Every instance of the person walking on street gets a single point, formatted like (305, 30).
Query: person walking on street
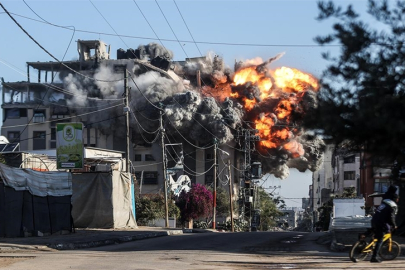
(383, 219)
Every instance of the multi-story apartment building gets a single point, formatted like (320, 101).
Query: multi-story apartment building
(32, 108)
(291, 218)
(322, 183)
(367, 174)
(346, 171)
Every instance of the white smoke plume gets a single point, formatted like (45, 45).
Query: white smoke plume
(78, 91)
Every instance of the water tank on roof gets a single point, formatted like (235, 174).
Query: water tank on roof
(131, 54)
(140, 53)
(121, 54)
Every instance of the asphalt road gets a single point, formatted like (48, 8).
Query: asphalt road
(255, 250)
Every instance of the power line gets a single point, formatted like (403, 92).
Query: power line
(153, 30)
(171, 28)
(83, 74)
(64, 55)
(61, 105)
(87, 124)
(51, 55)
(70, 117)
(189, 41)
(108, 23)
(187, 27)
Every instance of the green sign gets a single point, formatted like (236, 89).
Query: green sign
(69, 145)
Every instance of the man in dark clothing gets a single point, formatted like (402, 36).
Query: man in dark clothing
(384, 220)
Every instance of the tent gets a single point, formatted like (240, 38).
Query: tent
(102, 200)
(34, 203)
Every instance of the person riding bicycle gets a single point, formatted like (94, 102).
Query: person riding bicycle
(383, 219)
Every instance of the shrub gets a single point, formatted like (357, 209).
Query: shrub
(195, 204)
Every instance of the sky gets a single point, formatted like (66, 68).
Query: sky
(235, 30)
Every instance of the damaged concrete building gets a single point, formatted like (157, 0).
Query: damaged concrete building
(90, 90)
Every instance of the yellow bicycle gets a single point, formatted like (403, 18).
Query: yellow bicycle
(361, 249)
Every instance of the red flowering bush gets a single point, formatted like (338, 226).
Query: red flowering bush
(196, 203)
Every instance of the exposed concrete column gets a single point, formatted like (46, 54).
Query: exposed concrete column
(28, 73)
(199, 168)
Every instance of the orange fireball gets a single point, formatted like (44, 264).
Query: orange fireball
(293, 80)
(275, 93)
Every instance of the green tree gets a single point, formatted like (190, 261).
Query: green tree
(362, 95)
(269, 212)
(223, 207)
(361, 102)
(150, 207)
(280, 203)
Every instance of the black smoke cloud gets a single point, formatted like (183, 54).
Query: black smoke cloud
(197, 114)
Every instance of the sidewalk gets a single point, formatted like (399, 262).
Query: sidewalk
(86, 238)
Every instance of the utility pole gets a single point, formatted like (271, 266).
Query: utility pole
(230, 195)
(162, 133)
(126, 91)
(248, 137)
(215, 185)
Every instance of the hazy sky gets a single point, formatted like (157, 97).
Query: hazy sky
(235, 30)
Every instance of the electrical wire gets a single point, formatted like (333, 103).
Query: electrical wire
(52, 86)
(72, 107)
(87, 124)
(149, 132)
(181, 135)
(184, 165)
(191, 41)
(155, 78)
(188, 29)
(171, 28)
(51, 55)
(137, 166)
(70, 117)
(143, 137)
(153, 30)
(199, 174)
(64, 55)
(108, 23)
(83, 74)
(144, 95)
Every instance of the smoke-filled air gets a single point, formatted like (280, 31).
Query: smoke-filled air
(211, 100)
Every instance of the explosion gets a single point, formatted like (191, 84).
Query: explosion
(252, 95)
(282, 86)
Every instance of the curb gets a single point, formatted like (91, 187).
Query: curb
(107, 240)
(111, 241)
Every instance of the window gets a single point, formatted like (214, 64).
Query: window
(149, 157)
(53, 134)
(138, 157)
(381, 185)
(15, 113)
(208, 157)
(39, 116)
(149, 177)
(39, 140)
(349, 175)
(349, 159)
(13, 136)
